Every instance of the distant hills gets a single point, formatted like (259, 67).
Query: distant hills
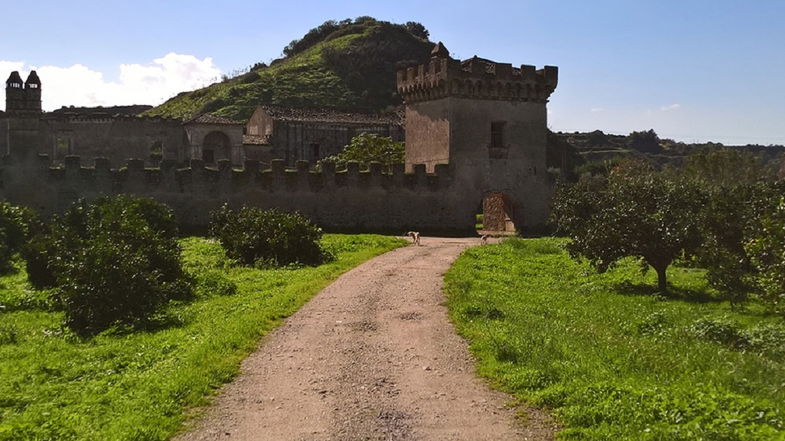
(348, 65)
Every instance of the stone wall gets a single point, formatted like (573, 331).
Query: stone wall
(338, 201)
(116, 138)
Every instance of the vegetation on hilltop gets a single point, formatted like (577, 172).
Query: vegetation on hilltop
(593, 149)
(347, 65)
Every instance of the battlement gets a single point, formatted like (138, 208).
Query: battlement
(346, 200)
(133, 177)
(475, 78)
(106, 117)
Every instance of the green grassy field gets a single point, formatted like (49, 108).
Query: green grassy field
(611, 359)
(123, 385)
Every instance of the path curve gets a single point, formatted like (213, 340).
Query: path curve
(371, 357)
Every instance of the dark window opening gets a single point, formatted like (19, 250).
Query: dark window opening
(62, 147)
(208, 156)
(497, 134)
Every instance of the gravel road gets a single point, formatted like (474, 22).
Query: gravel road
(372, 357)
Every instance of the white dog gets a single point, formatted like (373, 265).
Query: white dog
(484, 239)
(415, 235)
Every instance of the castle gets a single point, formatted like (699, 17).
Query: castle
(475, 142)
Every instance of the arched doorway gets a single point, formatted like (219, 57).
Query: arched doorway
(215, 146)
(498, 213)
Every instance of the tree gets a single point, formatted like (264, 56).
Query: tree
(646, 141)
(366, 148)
(726, 167)
(767, 254)
(638, 213)
(417, 29)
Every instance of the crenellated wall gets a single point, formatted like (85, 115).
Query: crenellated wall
(350, 200)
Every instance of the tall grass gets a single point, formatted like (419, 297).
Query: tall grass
(612, 359)
(123, 385)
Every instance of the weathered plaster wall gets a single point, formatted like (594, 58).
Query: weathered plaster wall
(294, 140)
(428, 133)
(117, 139)
(196, 134)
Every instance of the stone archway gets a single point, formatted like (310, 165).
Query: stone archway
(216, 146)
(498, 213)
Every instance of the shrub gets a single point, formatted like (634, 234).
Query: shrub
(257, 237)
(17, 224)
(37, 254)
(114, 261)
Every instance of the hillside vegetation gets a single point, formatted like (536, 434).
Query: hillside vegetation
(348, 65)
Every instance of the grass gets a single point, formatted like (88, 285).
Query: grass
(611, 359)
(123, 385)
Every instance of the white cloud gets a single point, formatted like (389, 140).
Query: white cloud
(670, 107)
(151, 83)
(596, 109)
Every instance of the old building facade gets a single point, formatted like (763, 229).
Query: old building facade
(311, 134)
(488, 121)
(475, 142)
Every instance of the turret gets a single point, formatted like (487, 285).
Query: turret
(14, 93)
(33, 92)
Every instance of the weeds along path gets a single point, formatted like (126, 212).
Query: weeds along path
(371, 357)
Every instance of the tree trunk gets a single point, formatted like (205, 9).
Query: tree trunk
(662, 279)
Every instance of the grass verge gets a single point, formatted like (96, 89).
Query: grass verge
(610, 358)
(123, 385)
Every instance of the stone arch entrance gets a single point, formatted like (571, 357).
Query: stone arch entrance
(215, 146)
(498, 213)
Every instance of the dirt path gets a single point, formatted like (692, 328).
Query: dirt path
(372, 357)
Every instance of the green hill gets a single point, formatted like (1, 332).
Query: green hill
(348, 65)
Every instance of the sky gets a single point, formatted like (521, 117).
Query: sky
(692, 70)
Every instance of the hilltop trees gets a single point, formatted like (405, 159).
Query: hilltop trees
(645, 141)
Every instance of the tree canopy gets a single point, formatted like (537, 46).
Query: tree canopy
(366, 148)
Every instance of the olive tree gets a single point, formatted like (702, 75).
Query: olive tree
(636, 212)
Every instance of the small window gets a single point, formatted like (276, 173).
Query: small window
(157, 149)
(497, 134)
(315, 153)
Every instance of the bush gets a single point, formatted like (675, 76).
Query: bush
(114, 261)
(257, 237)
(17, 224)
(37, 254)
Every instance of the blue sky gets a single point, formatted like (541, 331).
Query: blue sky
(691, 70)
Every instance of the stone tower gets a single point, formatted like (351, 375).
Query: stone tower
(23, 109)
(488, 122)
